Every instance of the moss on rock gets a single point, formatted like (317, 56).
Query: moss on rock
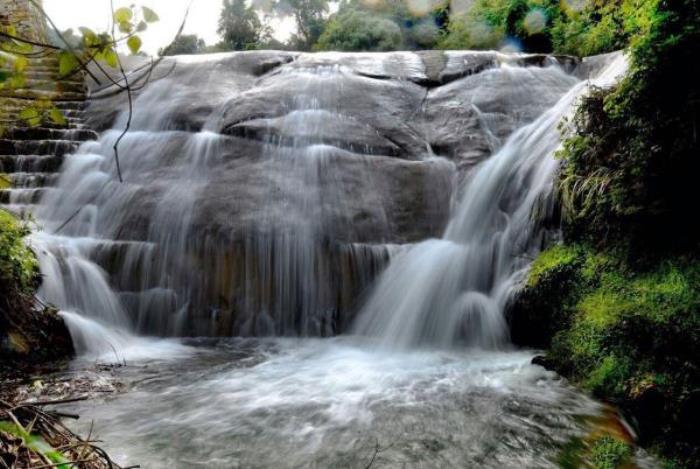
(630, 337)
(27, 332)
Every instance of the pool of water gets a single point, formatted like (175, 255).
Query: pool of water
(279, 403)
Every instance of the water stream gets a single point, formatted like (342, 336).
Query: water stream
(269, 202)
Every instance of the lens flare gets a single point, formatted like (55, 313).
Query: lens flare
(460, 7)
(425, 32)
(421, 7)
(574, 6)
(511, 45)
(536, 21)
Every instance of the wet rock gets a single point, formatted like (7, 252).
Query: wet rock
(544, 362)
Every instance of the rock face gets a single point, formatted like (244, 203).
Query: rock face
(263, 190)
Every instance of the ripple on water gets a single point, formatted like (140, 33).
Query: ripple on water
(337, 402)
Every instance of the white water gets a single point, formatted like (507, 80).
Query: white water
(337, 402)
(454, 290)
(292, 403)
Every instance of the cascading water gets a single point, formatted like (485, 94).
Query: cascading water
(270, 209)
(264, 194)
(455, 289)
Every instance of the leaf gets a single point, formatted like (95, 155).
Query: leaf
(123, 15)
(4, 75)
(28, 113)
(67, 63)
(126, 27)
(149, 15)
(89, 36)
(20, 64)
(110, 57)
(141, 27)
(31, 116)
(57, 116)
(5, 181)
(134, 43)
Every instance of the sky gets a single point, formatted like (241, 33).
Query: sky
(202, 19)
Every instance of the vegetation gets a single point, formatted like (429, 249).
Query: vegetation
(582, 27)
(310, 19)
(186, 44)
(18, 267)
(628, 336)
(240, 27)
(567, 27)
(356, 29)
(609, 453)
(620, 299)
(630, 161)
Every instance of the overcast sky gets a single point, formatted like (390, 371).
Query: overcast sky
(202, 19)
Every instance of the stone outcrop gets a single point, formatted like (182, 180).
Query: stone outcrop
(264, 190)
(25, 18)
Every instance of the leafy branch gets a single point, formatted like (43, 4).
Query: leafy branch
(95, 54)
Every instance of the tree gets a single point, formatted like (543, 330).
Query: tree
(240, 26)
(356, 29)
(310, 19)
(185, 44)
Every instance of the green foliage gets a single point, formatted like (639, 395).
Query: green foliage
(609, 453)
(36, 443)
(592, 27)
(186, 44)
(18, 265)
(383, 26)
(310, 19)
(240, 27)
(356, 29)
(490, 23)
(631, 157)
(553, 262)
(75, 51)
(629, 335)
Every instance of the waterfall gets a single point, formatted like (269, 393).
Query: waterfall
(454, 289)
(265, 192)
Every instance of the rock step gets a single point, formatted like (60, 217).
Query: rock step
(11, 102)
(15, 111)
(21, 211)
(22, 196)
(28, 93)
(33, 180)
(72, 123)
(48, 84)
(37, 147)
(30, 163)
(45, 133)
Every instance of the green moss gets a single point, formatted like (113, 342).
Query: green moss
(610, 378)
(18, 265)
(558, 258)
(609, 453)
(630, 336)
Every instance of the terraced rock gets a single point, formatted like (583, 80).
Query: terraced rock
(31, 157)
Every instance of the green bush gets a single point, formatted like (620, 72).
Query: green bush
(549, 25)
(355, 29)
(631, 159)
(609, 453)
(630, 336)
(18, 265)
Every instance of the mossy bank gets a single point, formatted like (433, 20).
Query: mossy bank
(29, 332)
(629, 336)
(616, 305)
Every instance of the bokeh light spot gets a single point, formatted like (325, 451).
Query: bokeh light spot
(422, 7)
(536, 21)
